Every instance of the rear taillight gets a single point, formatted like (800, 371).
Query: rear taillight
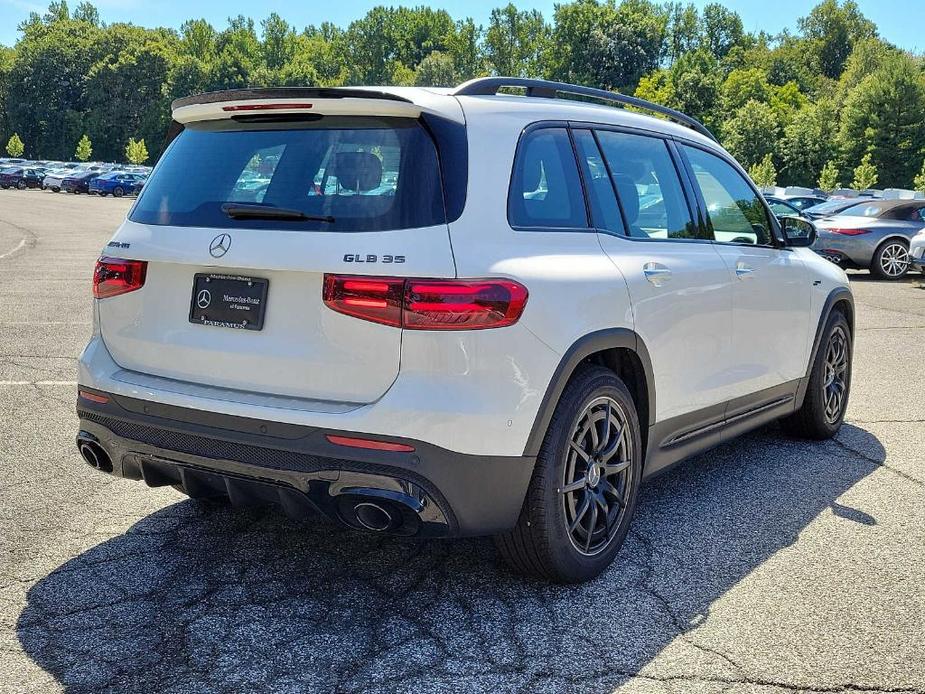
(427, 304)
(849, 232)
(114, 276)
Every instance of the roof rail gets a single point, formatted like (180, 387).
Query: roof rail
(489, 86)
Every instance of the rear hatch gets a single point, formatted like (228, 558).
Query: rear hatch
(253, 203)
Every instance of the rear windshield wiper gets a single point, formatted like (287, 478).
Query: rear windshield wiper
(244, 211)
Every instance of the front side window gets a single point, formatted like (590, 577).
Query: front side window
(348, 173)
(545, 188)
(648, 186)
(734, 210)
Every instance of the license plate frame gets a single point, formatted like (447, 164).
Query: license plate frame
(228, 301)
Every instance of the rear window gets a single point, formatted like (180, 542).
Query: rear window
(358, 173)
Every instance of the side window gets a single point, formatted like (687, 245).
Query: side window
(604, 210)
(648, 186)
(545, 188)
(734, 209)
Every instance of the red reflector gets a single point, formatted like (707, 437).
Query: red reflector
(265, 107)
(369, 443)
(113, 276)
(850, 232)
(427, 304)
(93, 397)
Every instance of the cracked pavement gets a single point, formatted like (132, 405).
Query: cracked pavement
(766, 565)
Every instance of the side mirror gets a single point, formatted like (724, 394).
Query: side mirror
(798, 232)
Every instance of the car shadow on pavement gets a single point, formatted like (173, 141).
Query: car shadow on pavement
(203, 598)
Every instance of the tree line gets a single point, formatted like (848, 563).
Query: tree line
(805, 108)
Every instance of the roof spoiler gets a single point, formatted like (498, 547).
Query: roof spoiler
(320, 100)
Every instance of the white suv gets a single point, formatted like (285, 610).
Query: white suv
(444, 313)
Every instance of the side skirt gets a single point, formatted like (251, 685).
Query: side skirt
(678, 438)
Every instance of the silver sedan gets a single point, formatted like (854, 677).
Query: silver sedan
(873, 234)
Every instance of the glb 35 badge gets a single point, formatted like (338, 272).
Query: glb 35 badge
(370, 258)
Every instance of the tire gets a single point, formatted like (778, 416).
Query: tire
(891, 260)
(21, 185)
(102, 194)
(55, 189)
(551, 539)
(817, 419)
(118, 192)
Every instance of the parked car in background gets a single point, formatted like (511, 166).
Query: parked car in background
(829, 208)
(115, 183)
(53, 178)
(22, 178)
(873, 234)
(801, 202)
(783, 208)
(138, 185)
(917, 251)
(78, 182)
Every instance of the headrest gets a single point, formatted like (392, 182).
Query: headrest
(356, 171)
(629, 196)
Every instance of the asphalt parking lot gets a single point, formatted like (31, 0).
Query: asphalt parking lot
(766, 565)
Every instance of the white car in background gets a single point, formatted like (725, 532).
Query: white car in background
(917, 251)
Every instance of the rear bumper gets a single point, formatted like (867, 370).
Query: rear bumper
(431, 492)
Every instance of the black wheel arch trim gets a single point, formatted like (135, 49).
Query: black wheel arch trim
(836, 296)
(581, 349)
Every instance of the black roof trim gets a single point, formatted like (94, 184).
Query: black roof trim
(489, 86)
(284, 93)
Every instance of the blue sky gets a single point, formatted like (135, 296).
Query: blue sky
(899, 21)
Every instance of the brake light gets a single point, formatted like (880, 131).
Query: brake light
(850, 232)
(266, 107)
(113, 276)
(427, 304)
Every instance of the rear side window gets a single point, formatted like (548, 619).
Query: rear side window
(545, 188)
(735, 211)
(648, 186)
(357, 173)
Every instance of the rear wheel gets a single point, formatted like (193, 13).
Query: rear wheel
(891, 260)
(823, 410)
(21, 185)
(583, 493)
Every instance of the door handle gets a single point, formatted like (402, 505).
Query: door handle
(656, 273)
(744, 270)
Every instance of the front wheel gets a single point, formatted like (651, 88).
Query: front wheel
(21, 185)
(118, 192)
(823, 409)
(891, 260)
(583, 493)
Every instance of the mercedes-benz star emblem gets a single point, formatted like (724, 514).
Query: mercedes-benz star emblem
(220, 245)
(203, 298)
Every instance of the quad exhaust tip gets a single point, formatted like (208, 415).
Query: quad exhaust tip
(372, 516)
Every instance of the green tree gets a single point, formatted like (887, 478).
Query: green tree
(885, 117)
(834, 29)
(722, 29)
(15, 146)
(682, 30)
(763, 173)
(691, 85)
(752, 133)
(808, 142)
(919, 182)
(515, 41)
(136, 151)
(436, 70)
(865, 174)
(828, 177)
(84, 149)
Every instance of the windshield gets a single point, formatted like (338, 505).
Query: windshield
(341, 173)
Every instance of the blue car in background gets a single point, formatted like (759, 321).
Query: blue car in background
(116, 183)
